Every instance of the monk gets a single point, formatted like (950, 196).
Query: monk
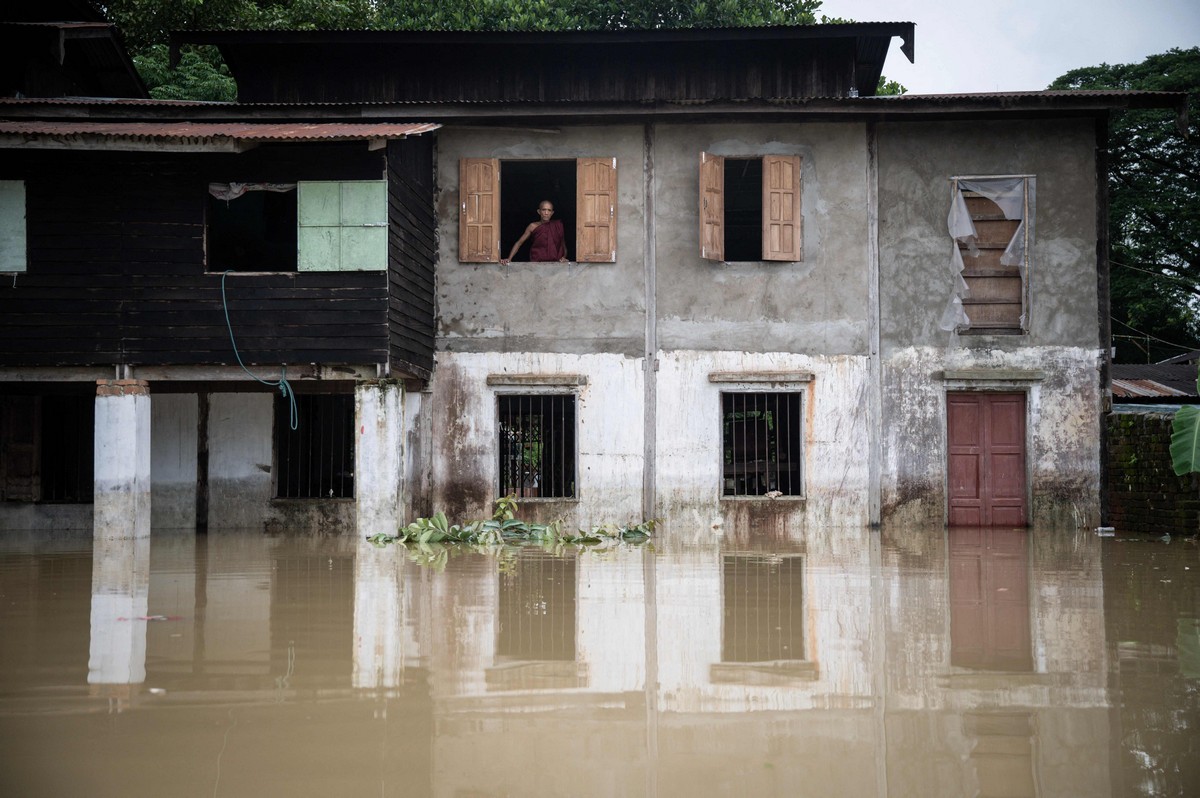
(548, 238)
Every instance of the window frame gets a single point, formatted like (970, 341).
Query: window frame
(1025, 228)
(307, 417)
(480, 181)
(795, 384)
(14, 221)
(536, 387)
(331, 227)
(782, 206)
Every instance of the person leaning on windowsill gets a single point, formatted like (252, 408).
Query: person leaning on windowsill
(549, 242)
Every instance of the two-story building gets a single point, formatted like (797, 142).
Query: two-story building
(784, 301)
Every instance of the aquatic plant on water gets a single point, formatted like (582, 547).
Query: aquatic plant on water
(504, 528)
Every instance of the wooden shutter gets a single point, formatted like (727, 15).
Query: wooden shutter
(596, 201)
(342, 226)
(12, 226)
(712, 206)
(479, 210)
(781, 207)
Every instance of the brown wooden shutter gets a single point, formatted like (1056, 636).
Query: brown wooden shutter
(712, 206)
(782, 238)
(596, 201)
(479, 210)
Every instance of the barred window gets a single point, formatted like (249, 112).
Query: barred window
(537, 445)
(761, 438)
(315, 460)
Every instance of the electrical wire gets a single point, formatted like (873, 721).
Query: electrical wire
(285, 387)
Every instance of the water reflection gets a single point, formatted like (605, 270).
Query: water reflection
(919, 662)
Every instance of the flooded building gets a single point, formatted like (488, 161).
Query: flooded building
(781, 302)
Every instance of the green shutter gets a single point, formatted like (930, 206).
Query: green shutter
(342, 226)
(12, 226)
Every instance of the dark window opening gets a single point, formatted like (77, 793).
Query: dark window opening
(763, 606)
(315, 460)
(255, 232)
(743, 209)
(537, 609)
(524, 184)
(761, 444)
(46, 448)
(68, 443)
(537, 445)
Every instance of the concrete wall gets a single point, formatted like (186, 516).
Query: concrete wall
(915, 162)
(173, 460)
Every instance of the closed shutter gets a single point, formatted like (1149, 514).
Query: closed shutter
(342, 226)
(596, 201)
(712, 206)
(479, 210)
(12, 226)
(781, 208)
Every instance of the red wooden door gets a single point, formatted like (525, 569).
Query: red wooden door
(986, 437)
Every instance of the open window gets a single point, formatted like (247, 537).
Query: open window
(991, 221)
(761, 435)
(305, 226)
(316, 459)
(12, 226)
(750, 208)
(46, 447)
(537, 445)
(583, 191)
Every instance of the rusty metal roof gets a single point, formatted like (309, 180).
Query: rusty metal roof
(1143, 388)
(196, 135)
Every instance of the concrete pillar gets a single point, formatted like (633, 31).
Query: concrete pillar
(120, 590)
(379, 456)
(122, 460)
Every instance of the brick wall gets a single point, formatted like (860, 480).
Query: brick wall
(1144, 494)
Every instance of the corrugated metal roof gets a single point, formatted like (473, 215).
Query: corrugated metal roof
(240, 131)
(1132, 388)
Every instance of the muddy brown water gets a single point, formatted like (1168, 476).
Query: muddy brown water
(842, 662)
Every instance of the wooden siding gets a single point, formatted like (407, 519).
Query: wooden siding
(546, 72)
(116, 270)
(412, 256)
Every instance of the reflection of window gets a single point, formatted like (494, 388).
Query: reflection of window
(1001, 745)
(535, 625)
(46, 445)
(763, 600)
(537, 445)
(991, 220)
(306, 226)
(761, 444)
(315, 460)
(583, 191)
(750, 208)
(12, 226)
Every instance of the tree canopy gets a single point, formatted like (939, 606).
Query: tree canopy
(1154, 208)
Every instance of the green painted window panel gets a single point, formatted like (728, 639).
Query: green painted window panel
(12, 226)
(342, 226)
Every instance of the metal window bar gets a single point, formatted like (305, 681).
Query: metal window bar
(763, 608)
(67, 442)
(537, 445)
(316, 460)
(761, 444)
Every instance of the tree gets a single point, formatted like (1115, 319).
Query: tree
(1154, 208)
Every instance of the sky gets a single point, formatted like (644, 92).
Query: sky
(1021, 45)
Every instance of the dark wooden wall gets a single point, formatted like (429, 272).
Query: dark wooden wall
(116, 266)
(412, 255)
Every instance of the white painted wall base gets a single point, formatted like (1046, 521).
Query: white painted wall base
(379, 456)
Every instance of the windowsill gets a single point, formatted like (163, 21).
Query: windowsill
(991, 331)
(234, 272)
(544, 499)
(754, 262)
(784, 499)
(309, 499)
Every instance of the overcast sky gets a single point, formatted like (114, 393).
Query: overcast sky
(1021, 45)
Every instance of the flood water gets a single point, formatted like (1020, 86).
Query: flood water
(850, 663)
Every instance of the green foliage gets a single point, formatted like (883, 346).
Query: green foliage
(201, 75)
(1154, 207)
(1185, 439)
(503, 529)
(889, 88)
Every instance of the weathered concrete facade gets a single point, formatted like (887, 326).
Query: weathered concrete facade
(857, 318)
